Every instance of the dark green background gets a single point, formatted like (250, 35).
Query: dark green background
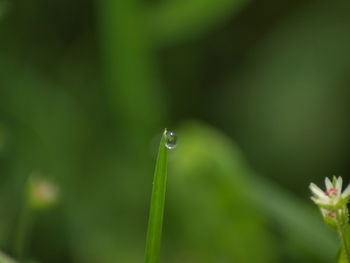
(258, 92)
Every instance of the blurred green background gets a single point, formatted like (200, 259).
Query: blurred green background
(257, 91)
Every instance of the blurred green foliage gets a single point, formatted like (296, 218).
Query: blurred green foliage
(85, 87)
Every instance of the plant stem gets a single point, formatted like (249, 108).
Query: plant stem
(341, 233)
(24, 227)
(155, 221)
(22, 233)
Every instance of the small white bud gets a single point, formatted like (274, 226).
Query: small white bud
(42, 193)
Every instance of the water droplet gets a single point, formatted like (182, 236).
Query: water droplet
(170, 140)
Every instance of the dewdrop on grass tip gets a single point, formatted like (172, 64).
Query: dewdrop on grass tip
(170, 139)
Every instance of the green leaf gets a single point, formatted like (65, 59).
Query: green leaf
(341, 256)
(213, 218)
(155, 222)
(219, 206)
(131, 73)
(5, 258)
(177, 21)
(301, 224)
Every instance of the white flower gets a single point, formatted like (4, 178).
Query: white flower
(332, 202)
(332, 196)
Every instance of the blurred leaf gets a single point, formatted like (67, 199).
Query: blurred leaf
(219, 205)
(131, 76)
(5, 258)
(212, 217)
(301, 225)
(340, 257)
(48, 129)
(180, 20)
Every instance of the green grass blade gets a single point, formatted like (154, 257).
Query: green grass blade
(155, 222)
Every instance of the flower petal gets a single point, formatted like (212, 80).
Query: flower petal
(339, 184)
(318, 192)
(322, 203)
(314, 199)
(346, 192)
(328, 183)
